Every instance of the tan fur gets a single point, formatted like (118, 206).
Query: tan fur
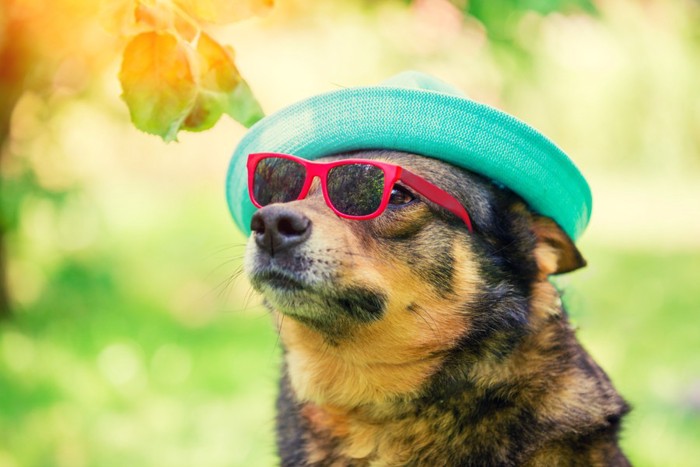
(556, 253)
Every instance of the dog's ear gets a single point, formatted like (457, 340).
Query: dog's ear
(555, 251)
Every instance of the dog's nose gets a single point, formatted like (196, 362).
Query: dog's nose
(277, 228)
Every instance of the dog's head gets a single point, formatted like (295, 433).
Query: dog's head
(404, 290)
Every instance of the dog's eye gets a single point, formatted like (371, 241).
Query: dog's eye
(400, 195)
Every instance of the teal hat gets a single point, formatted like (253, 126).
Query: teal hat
(417, 113)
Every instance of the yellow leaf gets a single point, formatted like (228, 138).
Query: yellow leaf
(224, 11)
(206, 112)
(159, 87)
(165, 17)
(130, 17)
(222, 90)
(117, 16)
(218, 71)
(156, 16)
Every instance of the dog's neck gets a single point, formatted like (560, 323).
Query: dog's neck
(377, 368)
(350, 376)
(363, 410)
(355, 410)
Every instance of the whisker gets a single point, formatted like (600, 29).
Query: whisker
(279, 332)
(223, 288)
(225, 248)
(248, 297)
(225, 263)
(266, 313)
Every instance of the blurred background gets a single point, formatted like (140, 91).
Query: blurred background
(128, 336)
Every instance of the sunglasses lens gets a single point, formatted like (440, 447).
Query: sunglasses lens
(277, 180)
(356, 189)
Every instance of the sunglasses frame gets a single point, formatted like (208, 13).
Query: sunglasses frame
(392, 174)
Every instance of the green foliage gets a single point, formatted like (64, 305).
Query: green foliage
(632, 309)
(502, 20)
(500, 17)
(97, 369)
(494, 13)
(17, 188)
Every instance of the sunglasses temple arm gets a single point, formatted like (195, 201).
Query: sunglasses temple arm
(436, 195)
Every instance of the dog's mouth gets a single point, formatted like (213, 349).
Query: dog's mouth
(278, 280)
(323, 305)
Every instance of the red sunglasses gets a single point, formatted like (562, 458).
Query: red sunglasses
(357, 189)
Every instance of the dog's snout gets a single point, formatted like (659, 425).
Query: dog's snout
(278, 228)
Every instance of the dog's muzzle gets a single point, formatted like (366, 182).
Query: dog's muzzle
(278, 259)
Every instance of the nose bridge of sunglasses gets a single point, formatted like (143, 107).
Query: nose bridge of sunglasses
(315, 198)
(315, 186)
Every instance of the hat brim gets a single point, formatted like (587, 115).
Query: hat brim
(450, 128)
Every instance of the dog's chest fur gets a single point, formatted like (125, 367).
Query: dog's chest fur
(544, 403)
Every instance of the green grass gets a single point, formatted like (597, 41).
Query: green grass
(106, 381)
(101, 372)
(638, 313)
(138, 349)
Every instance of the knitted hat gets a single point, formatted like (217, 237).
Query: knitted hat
(417, 113)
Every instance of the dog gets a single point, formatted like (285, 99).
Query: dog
(409, 340)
